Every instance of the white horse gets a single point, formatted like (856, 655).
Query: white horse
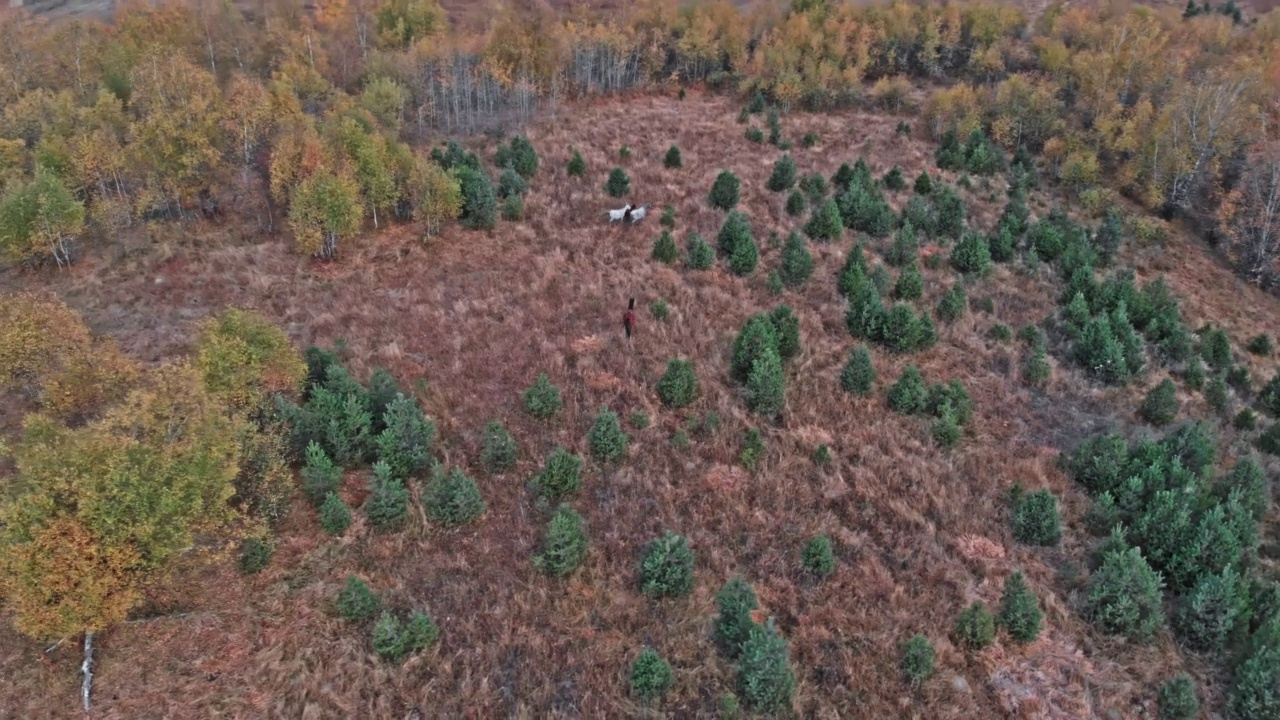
(637, 214)
(620, 213)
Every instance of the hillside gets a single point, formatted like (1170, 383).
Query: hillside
(467, 320)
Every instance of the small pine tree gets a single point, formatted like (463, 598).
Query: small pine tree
(952, 304)
(511, 184)
(542, 399)
(1215, 348)
(972, 254)
(1260, 345)
(1161, 404)
(1269, 397)
(452, 499)
(909, 393)
(784, 174)
(1035, 368)
(735, 601)
(561, 475)
(666, 570)
(796, 203)
(786, 327)
(394, 640)
(651, 676)
(1215, 393)
(949, 211)
(1124, 596)
(618, 184)
(405, 444)
(814, 186)
(335, 518)
(735, 231)
(387, 507)
(858, 375)
(765, 393)
(320, 476)
(498, 448)
(606, 439)
(825, 222)
(724, 191)
(752, 448)
(672, 159)
(946, 428)
(255, 554)
(1269, 441)
(356, 602)
(678, 386)
(1020, 612)
(564, 546)
(1208, 613)
(910, 285)
(668, 219)
(975, 627)
(1177, 698)
(577, 167)
(513, 208)
(817, 557)
(905, 248)
(745, 256)
(479, 202)
(1035, 519)
(664, 248)
(917, 659)
(698, 254)
(923, 184)
(765, 677)
(797, 263)
(894, 180)
(757, 334)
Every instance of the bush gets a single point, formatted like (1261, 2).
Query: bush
(825, 222)
(797, 263)
(784, 174)
(1177, 699)
(735, 601)
(664, 248)
(618, 184)
(624, 152)
(894, 180)
(542, 399)
(1035, 519)
(698, 254)
(576, 167)
(651, 676)
(765, 393)
(952, 304)
(809, 140)
(755, 135)
(666, 570)
(817, 557)
(909, 393)
(1124, 596)
(564, 546)
(387, 507)
(479, 202)
(795, 203)
(335, 518)
(320, 477)
(1000, 332)
(972, 254)
(606, 439)
(668, 219)
(765, 677)
(724, 191)
(405, 444)
(752, 448)
(1020, 612)
(659, 309)
(560, 475)
(639, 420)
(975, 627)
(356, 601)
(917, 659)
(910, 285)
(254, 555)
(678, 386)
(394, 640)
(452, 499)
(672, 159)
(1260, 345)
(858, 375)
(498, 448)
(1161, 404)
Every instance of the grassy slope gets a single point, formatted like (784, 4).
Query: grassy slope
(919, 532)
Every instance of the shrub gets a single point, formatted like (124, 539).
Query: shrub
(755, 135)
(606, 439)
(744, 257)
(1177, 699)
(917, 659)
(825, 222)
(765, 677)
(405, 444)
(814, 186)
(822, 456)
(795, 203)
(651, 676)
(394, 640)
(765, 393)
(513, 208)
(387, 506)
(672, 159)
(1161, 404)
(666, 570)
(698, 254)
(724, 191)
(452, 499)
(797, 263)
(858, 375)
(511, 184)
(639, 420)
(356, 601)
(498, 448)
(560, 475)
(479, 202)
(618, 183)
(1035, 519)
(1260, 345)
(752, 448)
(908, 394)
(1000, 333)
(1124, 595)
(664, 248)
(1238, 378)
(975, 627)
(910, 285)
(335, 518)
(680, 440)
(678, 386)
(564, 546)
(624, 152)
(576, 167)
(817, 557)
(952, 304)
(254, 555)
(668, 219)
(894, 179)
(735, 601)
(972, 254)
(659, 309)
(542, 399)
(320, 476)
(1020, 612)
(809, 140)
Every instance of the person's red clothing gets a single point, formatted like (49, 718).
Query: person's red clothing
(629, 322)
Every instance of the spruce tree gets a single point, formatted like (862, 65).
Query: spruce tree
(452, 499)
(577, 167)
(1215, 393)
(405, 444)
(618, 184)
(1020, 612)
(950, 211)
(1177, 697)
(564, 546)
(975, 627)
(758, 334)
(765, 677)
(334, 515)
(678, 386)
(672, 159)
(511, 184)
(651, 676)
(698, 254)
(814, 186)
(320, 477)
(817, 557)
(1160, 406)
(735, 231)
(952, 304)
(743, 259)
(894, 180)
(664, 248)
(858, 375)
(795, 203)
(724, 191)
(1035, 519)
(972, 254)
(479, 202)
(905, 248)
(387, 507)
(356, 601)
(917, 659)
(786, 327)
(909, 393)
(606, 439)
(910, 285)
(797, 263)
(666, 570)
(765, 384)
(923, 184)
(561, 475)
(735, 601)
(542, 399)
(1124, 596)
(825, 222)
(784, 174)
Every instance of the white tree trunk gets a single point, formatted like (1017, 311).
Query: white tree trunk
(87, 669)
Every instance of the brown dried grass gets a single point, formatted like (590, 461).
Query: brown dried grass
(919, 532)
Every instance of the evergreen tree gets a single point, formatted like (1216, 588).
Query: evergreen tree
(387, 507)
(698, 254)
(894, 180)
(858, 375)
(511, 184)
(664, 248)
(320, 477)
(949, 210)
(972, 254)
(743, 259)
(606, 439)
(498, 448)
(666, 569)
(784, 174)
(335, 518)
(1215, 348)
(786, 327)
(1206, 616)
(577, 167)
(479, 202)
(917, 659)
(950, 154)
(1161, 404)
(795, 203)
(1020, 612)
(405, 444)
(757, 335)
(618, 184)
(910, 285)
(908, 394)
(1124, 596)
(735, 231)
(560, 475)
(765, 384)
(952, 304)
(814, 186)
(651, 676)
(452, 499)
(825, 222)
(905, 248)
(542, 399)
(817, 557)
(866, 314)
(564, 546)
(1101, 353)
(1035, 519)
(1215, 393)
(797, 263)
(975, 627)
(672, 159)
(678, 386)
(765, 677)
(1177, 698)
(923, 184)
(735, 601)
(356, 602)
(724, 191)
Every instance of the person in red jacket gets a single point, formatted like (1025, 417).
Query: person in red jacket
(629, 319)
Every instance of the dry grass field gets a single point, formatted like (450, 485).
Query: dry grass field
(469, 319)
